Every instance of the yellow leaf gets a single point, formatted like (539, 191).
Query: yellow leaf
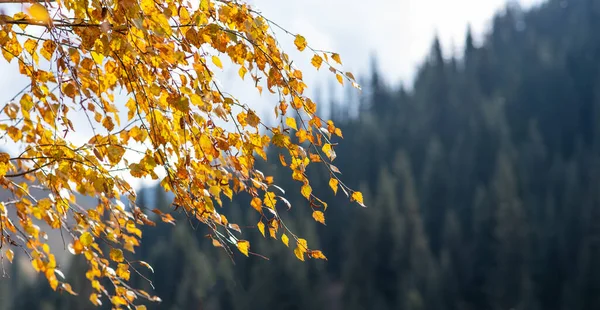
(319, 217)
(270, 200)
(39, 13)
(141, 307)
(339, 78)
(317, 255)
(97, 57)
(328, 150)
(285, 240)
(299, 254)
(300, 42)
(217, 62)
(261, 228)
(67, 287)
(243, 246)
(216, 243)
(116, 255)
(95, 299)
(252, 119)
(10, 255)
(306, 190)
(86, 239)
(256, 203)
(30, 46)
(282, 160)
(123, 271)
(358, 197)
(291, 122)
(118, 301)
(336, 57)
(301, 248)
(242, 72)
(316, 61)
(333, 183)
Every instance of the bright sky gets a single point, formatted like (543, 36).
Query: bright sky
(398, 32)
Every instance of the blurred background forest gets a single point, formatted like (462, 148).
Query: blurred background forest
(482, 180)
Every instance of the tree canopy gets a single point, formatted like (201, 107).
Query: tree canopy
(156, 60)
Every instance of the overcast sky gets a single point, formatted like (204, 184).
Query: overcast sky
(398, 32)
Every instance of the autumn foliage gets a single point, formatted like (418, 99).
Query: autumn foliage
(156, 59)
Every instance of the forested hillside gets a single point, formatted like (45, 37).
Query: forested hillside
(482, 180)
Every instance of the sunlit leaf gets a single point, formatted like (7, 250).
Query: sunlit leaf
(333, 183)
(358, 197)
(337, 58)
(217, 62)
(291, 122)
(317, 254)
(300, 42)
(116, 255)
(39, 13)
(319, 217)
(339, 78)
(285, 240)
(261, 228)
(86, 239)
(316, 61)
(306, 190)
(9, 255)
(243, 246)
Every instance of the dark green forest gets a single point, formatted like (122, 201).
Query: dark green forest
(482, 181)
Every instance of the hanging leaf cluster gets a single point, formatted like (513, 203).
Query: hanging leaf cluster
(155, 60)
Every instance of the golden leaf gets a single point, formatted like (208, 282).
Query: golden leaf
(39, 13)
(285, 240)
(317, 254)
(328, 151)
(316, 61)
(291, 122)
(256, 203)
(306, 190)
(95, 299)
(10, 255)
(299, 253)
(86, 239)
(217, 62)
(261, 228)
(118, 301)
(270, 200)
(67, 287)
(358, 197)
(30, 46)
(333, 183)
(243, 246)
(339, 78)
(252, 119)
(116, 255)
(123, 271)
(337, 58)
(242, 72)
(319, 217)
(301, 248)
(300, 42)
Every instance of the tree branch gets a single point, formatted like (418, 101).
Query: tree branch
(24, 1)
